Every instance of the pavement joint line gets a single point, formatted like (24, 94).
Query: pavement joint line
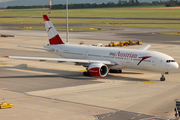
(11, 90)
(154, 117)
(103, 117)
(82, 88)
(133, 118)
(145, 114)
(106, 113)
(140, 115)
(165, 101)
(171, 117)
(150, 97)
(64, 101)
(55, 107)
(113, 112)
(149, 110)
(72, 102)
(52, 106)
(96, 117)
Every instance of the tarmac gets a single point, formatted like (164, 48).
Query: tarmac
(59, 91)
(117, 18)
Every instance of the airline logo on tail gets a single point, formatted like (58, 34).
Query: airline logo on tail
(53, 35)
(49, 29)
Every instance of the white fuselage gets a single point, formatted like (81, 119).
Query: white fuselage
(124, 58)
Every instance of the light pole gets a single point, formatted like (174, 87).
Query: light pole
(67, 37)
(5, 4)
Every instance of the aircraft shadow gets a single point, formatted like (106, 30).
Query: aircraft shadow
(73, 75)
(128, 73)
(50, 76)
(113, 77)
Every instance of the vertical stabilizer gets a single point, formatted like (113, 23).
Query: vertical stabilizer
(53, 35)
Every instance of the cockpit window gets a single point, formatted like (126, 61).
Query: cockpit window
(168, 61)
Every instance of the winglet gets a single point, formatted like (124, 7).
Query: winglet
(144, 47)
(53, 35)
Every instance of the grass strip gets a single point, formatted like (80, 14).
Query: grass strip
(101, 12)
(170, 26)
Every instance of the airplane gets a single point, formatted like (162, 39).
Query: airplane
(99, 61)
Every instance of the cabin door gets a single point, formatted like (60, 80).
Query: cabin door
(154, 59)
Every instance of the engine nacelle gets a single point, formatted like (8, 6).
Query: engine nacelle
(98, 69)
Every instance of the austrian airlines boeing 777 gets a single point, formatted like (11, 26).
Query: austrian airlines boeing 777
(101, 60)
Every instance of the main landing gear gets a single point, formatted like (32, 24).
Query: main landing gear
(162, 77)
(115, 71)
(86, 74)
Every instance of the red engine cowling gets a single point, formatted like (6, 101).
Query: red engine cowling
(98, 69)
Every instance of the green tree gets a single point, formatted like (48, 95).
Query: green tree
(137, 2)
(131, 1)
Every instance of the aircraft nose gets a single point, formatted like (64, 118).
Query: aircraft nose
(177, 65)
(173, 66)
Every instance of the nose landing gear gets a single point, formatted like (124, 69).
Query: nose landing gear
(162, 77)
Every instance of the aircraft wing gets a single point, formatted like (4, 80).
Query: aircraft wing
(144, 47)
(61, 60)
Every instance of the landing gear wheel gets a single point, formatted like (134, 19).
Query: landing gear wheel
(119, 71)
(115, 71)
(162, 78)
(86, 74)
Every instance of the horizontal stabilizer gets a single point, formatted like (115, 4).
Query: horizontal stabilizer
(144, 47)
(36, 48)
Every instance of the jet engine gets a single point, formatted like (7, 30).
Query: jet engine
(98, 69)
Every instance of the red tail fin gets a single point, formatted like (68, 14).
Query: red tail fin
(53, 35)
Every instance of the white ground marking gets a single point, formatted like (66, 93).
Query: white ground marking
(149, 97)
(165, 101)
(132, 118)
(149, 110)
